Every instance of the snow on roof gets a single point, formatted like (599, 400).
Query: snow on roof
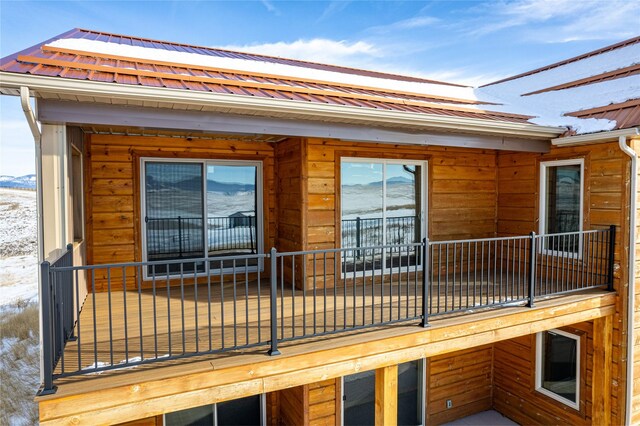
(246, 65)
(550, 107)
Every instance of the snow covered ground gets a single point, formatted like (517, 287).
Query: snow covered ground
(18, 258)
(19, 351)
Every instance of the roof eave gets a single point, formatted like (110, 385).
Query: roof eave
(598, 137)
(266, 106)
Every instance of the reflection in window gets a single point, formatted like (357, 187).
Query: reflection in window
(246, 411)
(558, 366)
(381, 204)
(200, 209)
(410, 393)
(562, 203)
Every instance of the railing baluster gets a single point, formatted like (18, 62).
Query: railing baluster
(47, 331)
(124, 305)
(425, 282)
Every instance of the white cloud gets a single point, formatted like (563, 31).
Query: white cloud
(316, 50)
(333, 8)
(406, 24)
(555, 21)
(270, 7)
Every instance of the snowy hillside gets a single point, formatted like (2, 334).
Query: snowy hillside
(19, 352)
(23, 182)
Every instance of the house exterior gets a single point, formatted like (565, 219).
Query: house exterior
(233, 238)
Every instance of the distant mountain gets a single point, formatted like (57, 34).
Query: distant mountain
(21, 182)
(396, 180)
(195, 184)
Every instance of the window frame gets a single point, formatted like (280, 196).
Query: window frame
(542, 213)
(422, 389)
(205, 255)
(214, 410)
(424, 204)
(539, 368)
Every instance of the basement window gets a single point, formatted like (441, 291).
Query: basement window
(558, 366)
(242, 411)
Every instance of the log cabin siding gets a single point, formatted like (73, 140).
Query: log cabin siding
(635, 403)
(113, 196)
(290, 179)
(514, 393)
(461, 188)
(606, 202)
(465, 378)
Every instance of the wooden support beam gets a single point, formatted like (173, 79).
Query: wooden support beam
(602, 362)
(387, 396)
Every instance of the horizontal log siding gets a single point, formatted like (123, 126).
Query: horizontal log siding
(635, 403)
(606, 170)
(461, 189)
(514, 392)
(290, 177)
(465, 378)
(112, 179)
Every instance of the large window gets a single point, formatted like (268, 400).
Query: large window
(201, 209)
(558, 366)
(561, 201)
(382, 203)
(243, 411)
(358, 395)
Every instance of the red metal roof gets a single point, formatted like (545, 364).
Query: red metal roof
(46, 60)
(625, 114)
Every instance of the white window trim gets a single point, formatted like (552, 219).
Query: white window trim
(539, 368)
(423, 205)
(543, 205)
(422, 391)
(205, 254)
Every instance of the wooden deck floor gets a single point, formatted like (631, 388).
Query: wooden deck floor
(129, 326)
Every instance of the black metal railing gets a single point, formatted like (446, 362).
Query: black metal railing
(180, 237)
(144, 312)
(368, 232)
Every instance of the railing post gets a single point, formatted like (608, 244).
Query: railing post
(612, 254)
(273, 300)
(180, 235)
(532, 267)
(358, 241)
(47, 332)
(425, 282)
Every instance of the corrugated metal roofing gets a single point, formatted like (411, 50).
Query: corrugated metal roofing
(570, 60)
(625, 114)
(611, 75)
(56, 62)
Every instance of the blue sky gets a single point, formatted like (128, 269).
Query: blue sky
(471, 42)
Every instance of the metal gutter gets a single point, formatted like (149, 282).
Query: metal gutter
(268, 106)
(595, 137)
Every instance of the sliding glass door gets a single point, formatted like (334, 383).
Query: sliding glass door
(382, 203)
(200, 209)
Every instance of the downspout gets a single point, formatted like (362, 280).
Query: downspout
(37, 136)
(37, 139)
(622, 141)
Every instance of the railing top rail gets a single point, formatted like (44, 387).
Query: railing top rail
(162, 262)
(58, 254)
(342, 249)
(519, 237)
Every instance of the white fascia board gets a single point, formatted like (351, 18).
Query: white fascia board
(596, 137)
(267, 106)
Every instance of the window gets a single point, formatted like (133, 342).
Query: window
(558, 366)
(201, 209)
(358, 395)
(561, 201)
(243, 411)
(382, 203)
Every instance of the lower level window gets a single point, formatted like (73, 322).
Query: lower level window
(358, 395)
(243, 411)
(558, 366)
